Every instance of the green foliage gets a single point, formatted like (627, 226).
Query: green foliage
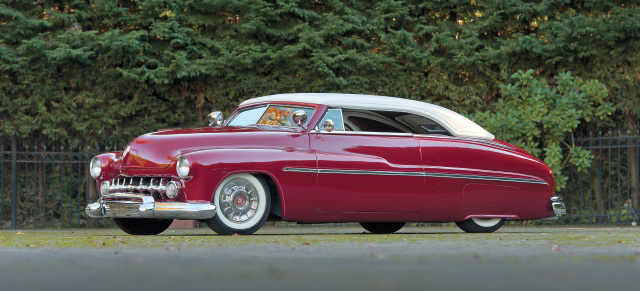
(540, 117)
(86, 70)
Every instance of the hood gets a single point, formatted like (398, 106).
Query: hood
(158, 150)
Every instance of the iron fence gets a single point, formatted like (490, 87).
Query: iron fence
(47, 185)
(608, 193)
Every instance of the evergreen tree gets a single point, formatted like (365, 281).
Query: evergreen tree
(113, 69)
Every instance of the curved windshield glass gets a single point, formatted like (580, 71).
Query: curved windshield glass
(248, 116)
(274, 115)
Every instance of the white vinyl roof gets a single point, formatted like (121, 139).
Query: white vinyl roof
(455, 123)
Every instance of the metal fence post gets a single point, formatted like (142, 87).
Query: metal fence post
(14, 182)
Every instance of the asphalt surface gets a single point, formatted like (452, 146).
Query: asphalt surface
(306, 258)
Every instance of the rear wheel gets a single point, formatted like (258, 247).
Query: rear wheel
(242, 205)
(382, 227)
(481, 225)
(143, 226)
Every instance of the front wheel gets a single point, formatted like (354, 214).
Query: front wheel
(143, 226)
(242, 205)
(382, 227)
(481, 225)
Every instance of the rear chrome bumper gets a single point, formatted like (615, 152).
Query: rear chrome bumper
(558, 205)
(133, 205)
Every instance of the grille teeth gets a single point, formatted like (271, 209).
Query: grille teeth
(142, 185)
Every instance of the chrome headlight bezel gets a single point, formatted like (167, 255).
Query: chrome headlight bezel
(183, 167)
(95, 167)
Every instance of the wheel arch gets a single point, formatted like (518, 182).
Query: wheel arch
(272, 184)
(274, 190)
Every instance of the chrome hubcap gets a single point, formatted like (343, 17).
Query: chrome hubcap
(239, 200)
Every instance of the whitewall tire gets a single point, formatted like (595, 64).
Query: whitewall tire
(481, 225)
(242, 205)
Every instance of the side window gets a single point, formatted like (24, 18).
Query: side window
(373, 125)
(434, 128)
(390, 121)
(334, 115)
(371, 121)
(422, 125)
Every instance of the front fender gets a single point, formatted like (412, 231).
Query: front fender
(110, 166)
(298, 191)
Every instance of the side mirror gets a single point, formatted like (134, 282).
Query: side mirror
(328, 125)
(216, 119)
(299, 118)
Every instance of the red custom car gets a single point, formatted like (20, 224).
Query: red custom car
(318, 158)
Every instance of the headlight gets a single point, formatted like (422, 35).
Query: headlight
(95, 167)
(182, 167)
(173, 189)
(104, 188)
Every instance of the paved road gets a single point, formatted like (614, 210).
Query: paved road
(306, 258)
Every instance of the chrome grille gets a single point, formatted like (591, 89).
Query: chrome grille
(128, 208)
(142, 185)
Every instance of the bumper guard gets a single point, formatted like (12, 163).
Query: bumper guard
(558, 205)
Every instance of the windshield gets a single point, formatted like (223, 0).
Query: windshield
(274, 115)
(248, 116)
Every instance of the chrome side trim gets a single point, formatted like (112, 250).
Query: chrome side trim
(133, 205)
(462, 138)
(414, 174)
(362, 133)
(486, 178)
(300, 170)
(379, 173)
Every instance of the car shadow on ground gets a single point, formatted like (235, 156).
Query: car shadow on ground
(299, 234)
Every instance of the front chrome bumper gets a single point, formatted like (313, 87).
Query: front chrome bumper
(133, 205)
(558, 205)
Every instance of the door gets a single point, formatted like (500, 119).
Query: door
(368, 172)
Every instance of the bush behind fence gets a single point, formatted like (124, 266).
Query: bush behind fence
(608, 192)
(47, 185)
